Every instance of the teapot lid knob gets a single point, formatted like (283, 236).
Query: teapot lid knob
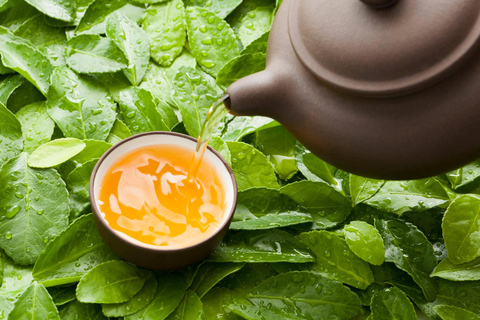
(379, 3)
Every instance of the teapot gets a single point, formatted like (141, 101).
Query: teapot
(380, 88)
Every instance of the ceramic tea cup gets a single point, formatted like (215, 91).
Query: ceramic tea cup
(149, 255)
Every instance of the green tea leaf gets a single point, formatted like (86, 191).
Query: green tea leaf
(365, 241)
(72, 254)
(139, 112)
(164, 25)
(221, 147)
(167, 112)
(263, 208)
(137, 302)
(236, 18)
(306, 295)
(391, 304)
(314, 168)
(14, 275)
(240, 67)
(97, 12)
(210, 273)
(244, 280)
(81, 7)
(55, 152)
(81, 109)
(220, 8)
(461, 229)
(335, 260)
(6, 4)
(265, 246)
(17, 14)
(8, 86)
(279, 146)
(459, 294)
(34, 207)
(62, 295)
(362, 189)
(24, 95)
(37, 126)
(34, 303)
(90, 53)
(214, 303)
(17, 54)
(251, 167)
(113, 82)
(76, 310)
(211, 39)
(170, 291)
(61, 10)
(414, 292)
(258, 312)
(327, 206)
(16, 279)
(194, 93)
(5, 70)
(411, 252)
(119, 132)
(453, 313)
(412, 195)
(94, 149)
(11, 143)
(159, 80)
(150, 1)
(133, 42)
(110, 282)
(258, 45)
(255, 24)
(239, 127)
(78, 184)
(190, 307)
(469, 271)
(49, 40)
(464, 175)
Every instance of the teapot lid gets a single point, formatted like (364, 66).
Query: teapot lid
(382, 48)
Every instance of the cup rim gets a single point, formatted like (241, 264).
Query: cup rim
(93, 176)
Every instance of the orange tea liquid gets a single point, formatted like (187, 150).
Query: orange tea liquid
(146, 194)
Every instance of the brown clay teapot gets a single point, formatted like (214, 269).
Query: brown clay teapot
(380, 88)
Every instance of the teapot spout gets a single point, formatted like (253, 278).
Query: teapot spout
(253, 95)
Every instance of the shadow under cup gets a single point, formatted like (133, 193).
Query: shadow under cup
(147, 255)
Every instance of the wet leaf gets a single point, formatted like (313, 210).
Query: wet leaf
(164, 25)
(94, 54)
(335, 260)
(327, 206)
(305, 295)
(37, 126)
(110, 282)
(34, 208)
(263, 208)
(265, 246)
(133, 42)
(72, 254)
(251, 167)
(461, 229)
(34, 303)
(211, 39)
(55, 152)
(411, 252)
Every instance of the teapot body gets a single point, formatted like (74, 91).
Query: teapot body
(414, 135)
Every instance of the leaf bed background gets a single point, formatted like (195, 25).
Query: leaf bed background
(308, 241)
